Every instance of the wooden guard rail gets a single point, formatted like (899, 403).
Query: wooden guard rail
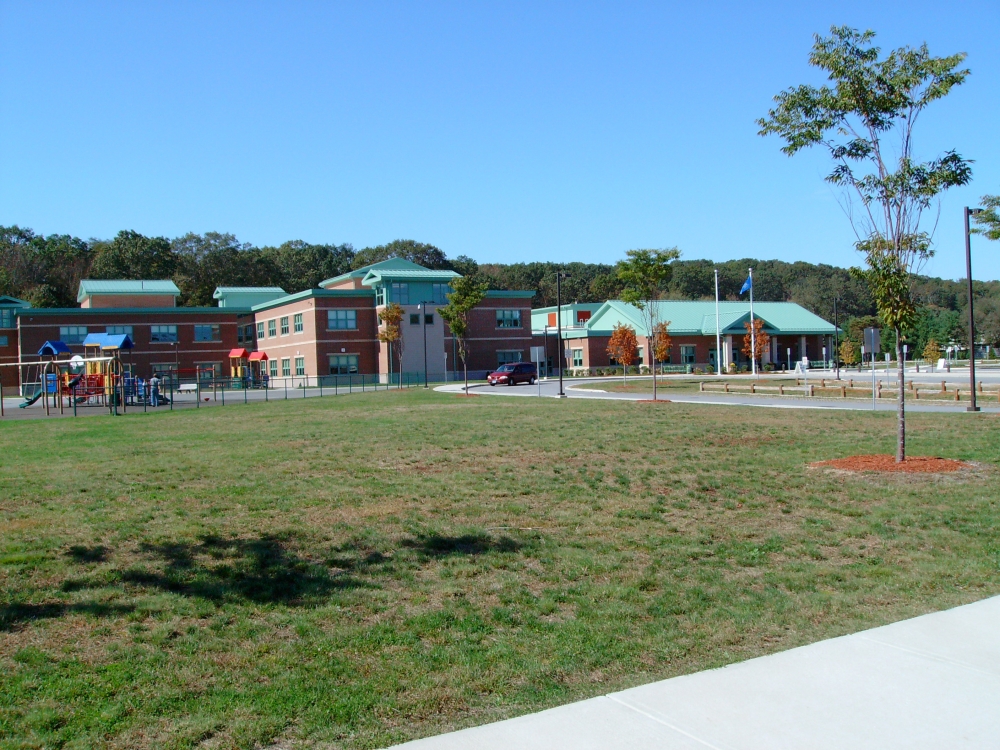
(848, 388)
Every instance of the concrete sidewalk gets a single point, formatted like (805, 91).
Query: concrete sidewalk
(929, 682)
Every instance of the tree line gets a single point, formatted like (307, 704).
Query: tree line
(46, 271)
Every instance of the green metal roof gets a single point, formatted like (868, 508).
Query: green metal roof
(509, 293)
(247, 296)
(97, 311)
(89, 287)
(359, 273)
(313, 293)
(379, 275)
(8, 301)
(697, 317)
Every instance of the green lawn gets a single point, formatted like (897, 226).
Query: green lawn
(357, 571)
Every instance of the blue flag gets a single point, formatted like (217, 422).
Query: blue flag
(747, 285)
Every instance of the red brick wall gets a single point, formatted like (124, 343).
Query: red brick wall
(485, 339)
(128, 300)
(36, 329)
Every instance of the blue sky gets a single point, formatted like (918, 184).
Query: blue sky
(504, 131)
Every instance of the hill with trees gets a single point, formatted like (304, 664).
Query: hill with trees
(46, 271)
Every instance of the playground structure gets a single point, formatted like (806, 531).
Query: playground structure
(248, 369)
(59, 379)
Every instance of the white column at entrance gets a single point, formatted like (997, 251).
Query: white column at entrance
(727, 348)
(802, 347)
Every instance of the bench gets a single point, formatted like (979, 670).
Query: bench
(187, 388)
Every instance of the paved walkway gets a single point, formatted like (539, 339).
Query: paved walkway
(572, 390)
(929, 682)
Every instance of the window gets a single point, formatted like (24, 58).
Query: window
(400, 293)
(297, 322)
(7, 318)
(343, 364)
(380, 295)
(163, 368)
(72, 334)
(341, 320)
(260, 330)
(687, 355)
(300, 365)
(3, 341)
(638, 358)
(274, 368)
(415, 319)
(503, 357)
(508, 318)
(429, 319)
(119, 331)
(286, 367)
(207, 333)
(272, 329)
(243, 334)
(439, 293)
(577, 357)
(163, 334)
(284, 326)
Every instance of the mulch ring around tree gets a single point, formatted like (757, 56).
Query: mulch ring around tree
(885, 462)
(651, 401)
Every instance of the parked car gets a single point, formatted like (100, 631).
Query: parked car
(512, 374)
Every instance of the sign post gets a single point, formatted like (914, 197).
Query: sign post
(873, 340)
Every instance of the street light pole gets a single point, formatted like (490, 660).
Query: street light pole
(561, 354)
(972, 321)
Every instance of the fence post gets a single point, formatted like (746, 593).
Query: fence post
(197, 389)
(171, 392)
(320, 379)
(74, 400)
(267, 387)
(286, 388)
(350, 383)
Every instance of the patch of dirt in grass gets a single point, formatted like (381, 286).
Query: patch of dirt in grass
(886, 462)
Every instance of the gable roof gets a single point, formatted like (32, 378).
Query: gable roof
(90, 287)
(697, 317)
(8, 301)
(246, 296)
(360, 273)
(379, 275)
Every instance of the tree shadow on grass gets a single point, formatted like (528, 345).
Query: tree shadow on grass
(13, 616)
(440, 545)
(262, 570)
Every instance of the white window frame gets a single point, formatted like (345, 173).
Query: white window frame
(577, 357)
(286, 367)
(300, 366)
(260, 329)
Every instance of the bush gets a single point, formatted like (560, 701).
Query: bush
(710, 370)
(697, 371)
(732, 368)
(768, 367)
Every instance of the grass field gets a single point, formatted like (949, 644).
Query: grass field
(357, 571)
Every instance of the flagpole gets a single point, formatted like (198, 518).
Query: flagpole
(753, 332)
(718, 333)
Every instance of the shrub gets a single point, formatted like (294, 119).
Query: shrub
(732, 368)
(710, 370)
(697, 371)
(768, 367)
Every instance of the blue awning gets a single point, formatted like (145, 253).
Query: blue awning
(53, 349)
(117, 341)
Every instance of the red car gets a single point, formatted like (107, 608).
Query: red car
(512, 374)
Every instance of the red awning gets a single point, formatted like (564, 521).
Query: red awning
(238, 354)
(258, 356)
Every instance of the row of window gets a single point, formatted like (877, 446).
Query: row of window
(340, 364)
(158, 334)
(7, 318)
(399, 292)
(687, 356)
(336, 320)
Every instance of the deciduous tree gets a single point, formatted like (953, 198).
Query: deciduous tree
(848, 352)
(131, 255)
(932, 352)
(391, 318)
(644, 275)
(865, 119)
(661, 347)
(755, 342)
(622, 347)
(467, 292)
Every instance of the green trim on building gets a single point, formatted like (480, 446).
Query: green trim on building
(379, 276)
(131, 310)
(313, 294)
(8, 301)
(509, 294)
(247, 296)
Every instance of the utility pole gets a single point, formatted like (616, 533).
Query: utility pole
(836, 337)
(562, 353)
(972, 321)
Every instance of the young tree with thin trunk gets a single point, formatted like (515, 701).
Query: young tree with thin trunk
(644, 275)
(466, 293)
(932, 352)
(661, 347)
(622, 347)
(865, 119)
(848, 352)
(391, 317)
(755, 343)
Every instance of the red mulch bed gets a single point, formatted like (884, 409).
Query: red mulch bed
(887, 462)
(651, 401)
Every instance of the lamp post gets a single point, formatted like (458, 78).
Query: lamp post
(560, 275)
(423, 313)
(972, 321)
(836, 337)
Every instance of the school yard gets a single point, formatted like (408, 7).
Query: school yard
(354, 572)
